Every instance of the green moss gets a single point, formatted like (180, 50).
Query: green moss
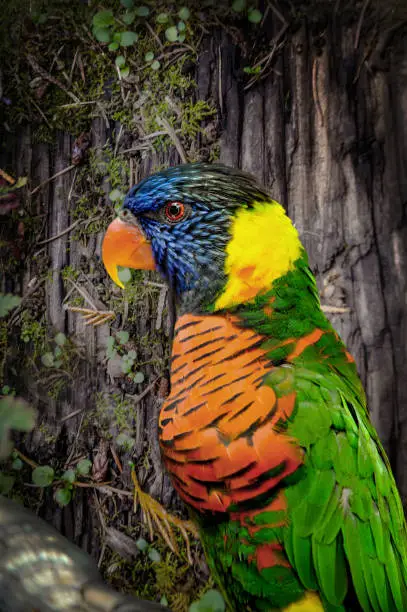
(171, 577)
(46, 432)
(33, 331)
(69, 272)
(113, 414)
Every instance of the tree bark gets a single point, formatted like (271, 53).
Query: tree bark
(328, 137)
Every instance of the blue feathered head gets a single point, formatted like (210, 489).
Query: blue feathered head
(178, 221)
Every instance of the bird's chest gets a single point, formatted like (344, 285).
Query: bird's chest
(216, 427)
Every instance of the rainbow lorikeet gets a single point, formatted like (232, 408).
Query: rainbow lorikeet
(265, 434)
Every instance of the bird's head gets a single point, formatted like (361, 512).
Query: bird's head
(213, 232)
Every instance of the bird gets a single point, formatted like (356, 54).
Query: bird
(266, 433)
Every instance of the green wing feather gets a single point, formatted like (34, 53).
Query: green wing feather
(346, 519)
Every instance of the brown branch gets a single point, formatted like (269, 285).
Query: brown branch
(51, 178)
(315, 94)
(138, 398)
(116, 459)
(154, 34)
(173, 136)
(278, 13)
(71, 415)
(334, 309)
(7, 177)
(360, 22)
(47, 77)
(26, 459)
(65, 231)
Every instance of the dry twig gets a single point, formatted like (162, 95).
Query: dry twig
(174, 138)
(93, 317)
(51, 178)
(154, 512)
(7, 177)
(60, 234)
(315, 67)
(334, 309)
(47, 77)
(360, 22)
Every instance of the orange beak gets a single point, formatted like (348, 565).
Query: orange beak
(125, 245)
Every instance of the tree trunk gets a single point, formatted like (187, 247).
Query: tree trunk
(326, 132)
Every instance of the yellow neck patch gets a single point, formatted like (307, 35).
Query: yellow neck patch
(264, 246)
(311, 602)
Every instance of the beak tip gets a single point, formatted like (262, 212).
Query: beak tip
(125, 245)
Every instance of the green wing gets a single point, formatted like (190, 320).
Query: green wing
(347, 533)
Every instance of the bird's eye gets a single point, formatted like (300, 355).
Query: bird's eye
(124, 213)
(174, 211)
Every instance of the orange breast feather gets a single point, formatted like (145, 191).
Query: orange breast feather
(218, 428)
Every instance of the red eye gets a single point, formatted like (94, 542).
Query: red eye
(174, 211)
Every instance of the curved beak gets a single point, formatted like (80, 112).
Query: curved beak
(125, 245)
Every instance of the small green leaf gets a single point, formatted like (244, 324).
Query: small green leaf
(6, 483)
(184, 13)
(113, 46)
(132, 355)
(124, 72)
(212, 601)
(57, 351)
(171, 34)
(138, 377)
(16, 414)
(63, 496)
(116, 195)
(142, 11)
(103, 19)
(110, 342)
(250, 70)
(5, 390)
(254, 16)
(141, 544)
(102, 35)
(48, 360)
(69, 476)
(111, 353)
(127, 3)
(116, 37)
(8, 302)
(126, 366)
(124, 274)
(21, 181)
(162, 18)
(123, 337)
(83, 467)
(154, 555)
(129, 17)
(238, 6)
(119, 61)
(149, 56)
(164, 601)
(43, 476)
(181, 26)
(60, 339)
(125, 441)
(181, 37)
(155, 65)
(128, 38)
(17, 464)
